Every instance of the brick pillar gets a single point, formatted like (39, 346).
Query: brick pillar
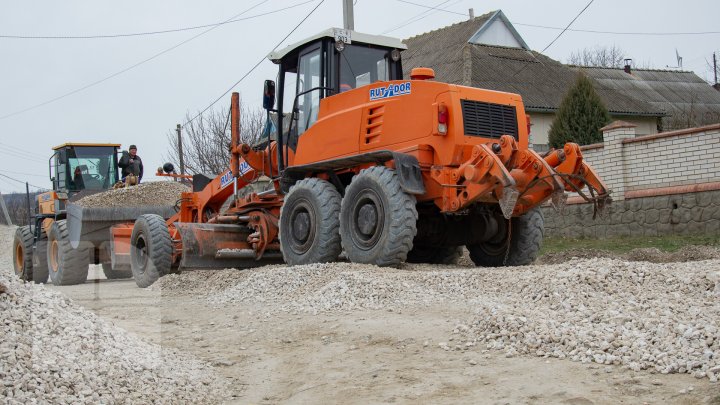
(613, 160)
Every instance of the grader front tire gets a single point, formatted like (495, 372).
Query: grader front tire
(378, 220)
(309, 223)
(150, 250)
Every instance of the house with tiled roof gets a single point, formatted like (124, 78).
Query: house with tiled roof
(487, 52)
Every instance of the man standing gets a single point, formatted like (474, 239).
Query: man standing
(131, 164)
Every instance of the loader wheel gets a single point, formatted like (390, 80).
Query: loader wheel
(22, 253)
(310, 223)
(378, 220)
(435, 255)
(40, 260)
(111, 274)
(151, 249)
(526, 235)
(68, 266)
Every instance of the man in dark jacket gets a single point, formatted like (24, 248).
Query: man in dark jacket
(130, 163)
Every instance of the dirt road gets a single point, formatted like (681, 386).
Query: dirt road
(271, 354)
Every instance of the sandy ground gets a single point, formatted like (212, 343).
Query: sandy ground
(365, 356)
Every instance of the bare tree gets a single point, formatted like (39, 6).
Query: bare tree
(206, 140)
(17, 207)
(599, 56)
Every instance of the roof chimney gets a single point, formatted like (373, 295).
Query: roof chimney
(472, 13)
(628, 69)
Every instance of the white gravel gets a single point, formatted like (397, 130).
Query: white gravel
(644, 316)
(54, 351)
(157, 193)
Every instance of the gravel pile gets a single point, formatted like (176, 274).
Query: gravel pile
(53, 351)
(663, 317)
(159, 193)
(654, 255)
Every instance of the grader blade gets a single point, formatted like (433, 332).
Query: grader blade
(215, 246)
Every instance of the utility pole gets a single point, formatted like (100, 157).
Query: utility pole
(4, 208)
(715, 68)
(180, 149)
(348, 15)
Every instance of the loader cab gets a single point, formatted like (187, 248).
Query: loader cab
(325, 65)
(77, 167)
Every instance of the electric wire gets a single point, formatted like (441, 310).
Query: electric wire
(22, 182)
(95, 83)
(44, 176)
(558, 36)
(420, 16)
(148, 33)
(254, 67)
(575, 29)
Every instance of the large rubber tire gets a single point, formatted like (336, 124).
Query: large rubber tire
(435, 255)
(40, 268)
(378, 220)
(150, 249)
(68, 266)
(310, 223)
(111, 274)
(526, 235)
(22, 253)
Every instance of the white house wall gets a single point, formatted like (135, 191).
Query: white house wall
(497, 33)
(541, 127)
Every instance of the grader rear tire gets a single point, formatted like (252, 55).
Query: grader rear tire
(150, 249)
(378, 220)
(22, 253)
(68, 266)
(526, 235)
(309, 223)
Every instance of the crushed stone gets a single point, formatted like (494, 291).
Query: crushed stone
(158, 193)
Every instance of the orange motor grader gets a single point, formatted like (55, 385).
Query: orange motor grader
(385, 168)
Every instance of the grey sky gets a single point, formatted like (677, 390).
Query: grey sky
(142, 105)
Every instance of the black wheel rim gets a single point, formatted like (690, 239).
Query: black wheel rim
(368, 219)
(303, 222)
(141, 254)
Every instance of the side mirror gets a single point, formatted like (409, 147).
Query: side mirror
(269, 95)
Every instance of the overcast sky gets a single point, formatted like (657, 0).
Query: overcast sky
(143, 105)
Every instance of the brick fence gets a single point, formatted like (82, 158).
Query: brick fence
(666, 183)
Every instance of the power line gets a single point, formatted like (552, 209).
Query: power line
(574, 29)
(420, 16)
(22, 182)
(95, 83)
(137, 34)
(256, 65)
(568, 26)
(45, 176)
(21, 150)
(558, 36)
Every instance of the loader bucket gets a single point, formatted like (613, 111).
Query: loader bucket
(219, 246)
(93, 224)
